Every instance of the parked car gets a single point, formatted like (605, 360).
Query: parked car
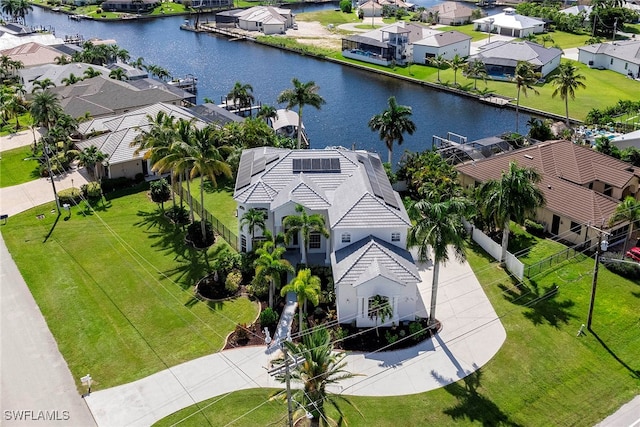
(634, 254)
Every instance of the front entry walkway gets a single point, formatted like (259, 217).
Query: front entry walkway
(471, 335)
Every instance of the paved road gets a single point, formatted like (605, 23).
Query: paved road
(627, 416)
(35, 381)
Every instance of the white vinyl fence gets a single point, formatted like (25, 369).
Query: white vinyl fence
(495, 250)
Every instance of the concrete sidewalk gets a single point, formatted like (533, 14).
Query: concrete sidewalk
(20, 139)
(472, 334)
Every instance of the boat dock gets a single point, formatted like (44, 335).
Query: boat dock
(233, 34)
(497, 100)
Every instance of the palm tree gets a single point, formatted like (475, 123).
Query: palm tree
(241, 95)
(138, 63)
(547, 39)
(91, 72)
(477, 69)
(438, 225)
(392, 123)
(268, 113)
(304, 224)
(207, 159)
(9, 7)
(566, 81)
(456, 63)
(270, 266)
(118, 74)
(71, 79)
(379, 308)
(91, 157)
(628, 211)
(42, 85)
(253, 218)
(61, 60)
(438, 62)
(524, 79)
(302, 94)
(45, 108)
(307, 288)
(320, 367)
(22, 9)
(512, 197)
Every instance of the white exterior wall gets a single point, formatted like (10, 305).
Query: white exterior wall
(290, 209)
(273, 28)
(462, 48)
(244, 231)
(249, 25)
(127, 169)
(352, 302)
(550, 66)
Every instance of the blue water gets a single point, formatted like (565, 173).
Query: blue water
(353, 96)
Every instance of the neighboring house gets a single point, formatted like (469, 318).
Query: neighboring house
(14, 34)
(448, 44)
(137, 6)
(370, 9)
(621, 56)
(631, 139)
(509, 23)
(115, 135)
(396, 43)
(581, 186)
(102, 96)
(448, 13)
(501, 58)
(266, 19)
(366, 219)
(33, 54)
(131, 72)
(56, 73)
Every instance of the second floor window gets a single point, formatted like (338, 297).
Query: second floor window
(395, 237)
(314, 241)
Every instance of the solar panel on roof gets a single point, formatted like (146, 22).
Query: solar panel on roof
(316, 165)
(306, 165)
(373, 180)
(387, 192)
(244, 170)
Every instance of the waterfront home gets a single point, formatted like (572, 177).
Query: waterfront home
(33, 54)
(370, 9)
(56, 73)
(395, 43)
(366, 219)
(581, 186)
(448, 13)
(631, 139)
(501, 58)
(265, 19)
(14, 34)
(509, 23)
(138, 6)
(113, 136)
(447, 44)
(620, 56)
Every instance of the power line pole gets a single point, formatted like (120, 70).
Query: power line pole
(51, 177)
(286, 376)
(602, 246)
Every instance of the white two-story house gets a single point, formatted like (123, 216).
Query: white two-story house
(367, 221)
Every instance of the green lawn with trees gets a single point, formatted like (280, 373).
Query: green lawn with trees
(116, 288)
(18, 166)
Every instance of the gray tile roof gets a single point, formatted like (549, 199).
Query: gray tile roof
(444, 39)
(368, 211)
(302, 191)
(628, 50)
(372, 257)
(509, 53)
(258, 192)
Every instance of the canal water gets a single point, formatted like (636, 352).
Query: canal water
(352, 96)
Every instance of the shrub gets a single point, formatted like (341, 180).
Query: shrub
(112, 184)
(416, 330)
(98, 11)
(177, 215)
(624, 269)
(139, 178)
(195, 237)
(534, 228)
(340, 334)
(268, 318)
(391, 338)
(241, 333)
(160, 191)
(345, 6)
(92, 191)
(233, 281)
(69, 196)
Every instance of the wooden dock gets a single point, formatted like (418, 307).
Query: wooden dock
(497, 100)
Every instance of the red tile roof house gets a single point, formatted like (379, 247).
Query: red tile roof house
(581, 186)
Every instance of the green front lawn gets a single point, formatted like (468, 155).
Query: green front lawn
(116, 288)
(328, 17)
(18, 166)
(543, 375)
(218, 201)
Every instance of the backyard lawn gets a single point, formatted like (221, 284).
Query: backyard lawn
(116, 288)
(543, 375)
(218, 201)
(18, 166)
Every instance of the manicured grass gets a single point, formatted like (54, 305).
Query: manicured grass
(543, 375)
(116, 288)
(16, 169)
(328, 17)
(218, 201)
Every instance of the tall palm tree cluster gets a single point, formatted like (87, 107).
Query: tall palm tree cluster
(17, 10)
(100, 54)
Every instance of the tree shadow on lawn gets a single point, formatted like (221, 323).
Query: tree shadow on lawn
(472, 405)
(635, 373)
(224, 184)
(543, 304)
(520, 244)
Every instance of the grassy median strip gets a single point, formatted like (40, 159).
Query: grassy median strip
(543, 375)
(116, 288)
